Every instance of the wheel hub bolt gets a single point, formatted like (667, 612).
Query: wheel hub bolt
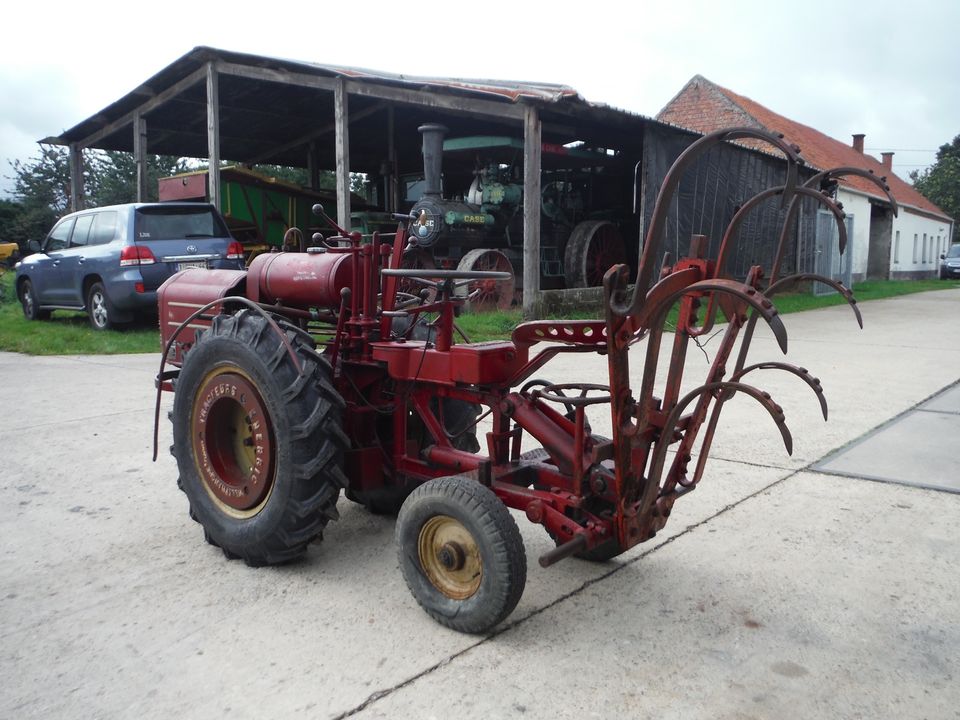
(451, 556)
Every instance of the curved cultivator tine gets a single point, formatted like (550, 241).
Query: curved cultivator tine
(838, 286)
(651, 248)
(800, 372)
(665, 293)
(724, 388)
(827, 178)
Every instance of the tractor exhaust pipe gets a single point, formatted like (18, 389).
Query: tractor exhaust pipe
(433, 135)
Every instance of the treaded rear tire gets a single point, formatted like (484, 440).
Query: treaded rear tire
(495, 547)
(301, 435)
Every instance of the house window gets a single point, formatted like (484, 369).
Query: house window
(896, 248)
(915, 247)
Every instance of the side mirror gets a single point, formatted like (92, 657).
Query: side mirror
(33, 246)
(943, 256)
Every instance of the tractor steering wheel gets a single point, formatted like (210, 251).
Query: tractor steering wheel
(422, 275)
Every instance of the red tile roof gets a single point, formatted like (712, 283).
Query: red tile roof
(704, 107)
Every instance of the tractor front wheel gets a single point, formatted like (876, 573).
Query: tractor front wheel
(461, 553)
(258, 440)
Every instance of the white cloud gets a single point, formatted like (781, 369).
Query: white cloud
(877, 68)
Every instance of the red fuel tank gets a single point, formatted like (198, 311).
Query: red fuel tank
(299, 279)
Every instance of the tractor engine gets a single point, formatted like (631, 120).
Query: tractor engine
(295, 280)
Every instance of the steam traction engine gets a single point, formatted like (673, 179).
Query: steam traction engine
(483, 229)
(271, 422)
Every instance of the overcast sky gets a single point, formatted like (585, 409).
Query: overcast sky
(890, 70)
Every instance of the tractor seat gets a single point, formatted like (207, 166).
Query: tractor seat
(571, 332)
(485, 363)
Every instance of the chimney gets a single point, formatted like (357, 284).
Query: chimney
(858, 142)
(887, 161)
(433, 135)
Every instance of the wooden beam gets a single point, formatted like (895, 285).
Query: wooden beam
(213, 134)
(506, 112)
(76, 178)
(342, 143)
(140, 155)
(283, 77)
(172, 91)
(531, 212)
(313, 135)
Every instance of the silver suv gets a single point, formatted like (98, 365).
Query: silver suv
(109, 261)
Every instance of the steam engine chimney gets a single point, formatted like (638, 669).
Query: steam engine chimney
(887, 161)
(433, 135)
(858, 142)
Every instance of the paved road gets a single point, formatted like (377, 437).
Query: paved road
(776, 591)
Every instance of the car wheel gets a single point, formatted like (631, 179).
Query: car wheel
(28, 300)
(98, 307)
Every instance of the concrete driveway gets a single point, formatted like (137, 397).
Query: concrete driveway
(775, 592)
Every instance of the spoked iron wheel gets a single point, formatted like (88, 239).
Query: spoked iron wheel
(416, 259)
(593, 248)
(461, 553)
(488, 295)
(258, 438)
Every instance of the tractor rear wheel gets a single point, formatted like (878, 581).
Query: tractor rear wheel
(593, 248)
(259, 443)
(461, 553)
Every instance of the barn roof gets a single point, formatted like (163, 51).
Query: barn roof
(704, 106)
(272, 108)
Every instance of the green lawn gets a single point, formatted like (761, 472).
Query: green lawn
(66, 333)
(69, 333)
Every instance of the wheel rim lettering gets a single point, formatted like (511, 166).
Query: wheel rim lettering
(233, 442)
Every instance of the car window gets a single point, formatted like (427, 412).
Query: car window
(104, 228)
(177, 223)
(81, 230)
(954, 252)
(59, 237)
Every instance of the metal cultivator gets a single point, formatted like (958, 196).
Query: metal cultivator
(269, 425)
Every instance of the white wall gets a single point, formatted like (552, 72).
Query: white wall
(910, 225)
(907, 224)
(859, 244)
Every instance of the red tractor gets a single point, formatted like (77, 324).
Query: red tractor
(311, 373)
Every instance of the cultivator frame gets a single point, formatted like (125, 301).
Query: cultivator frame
(595, 496)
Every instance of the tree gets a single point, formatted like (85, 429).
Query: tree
(45, 179)
(940, 183)
(116, 177)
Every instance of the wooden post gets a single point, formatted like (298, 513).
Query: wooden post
(313, 165)
(213, 135)
(76, 178)
(392, 199)
(140, 154)
(342, 143)
(531, 213)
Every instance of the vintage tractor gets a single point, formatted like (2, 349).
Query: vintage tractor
(310, 373)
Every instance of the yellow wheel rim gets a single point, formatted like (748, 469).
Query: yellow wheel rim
(450, 557)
